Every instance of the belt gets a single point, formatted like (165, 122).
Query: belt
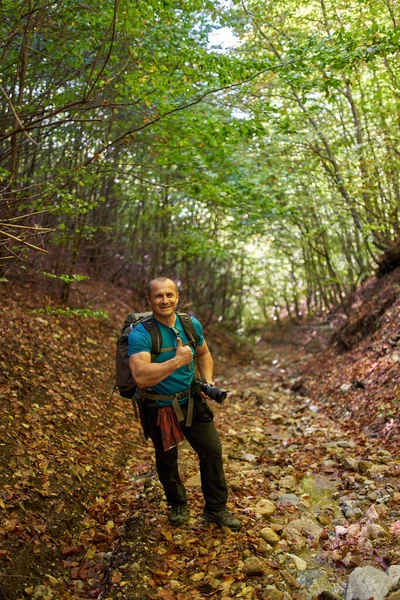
(174, 398)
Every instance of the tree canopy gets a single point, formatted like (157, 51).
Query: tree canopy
(263, 177)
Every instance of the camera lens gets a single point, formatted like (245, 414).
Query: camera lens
(214, 393)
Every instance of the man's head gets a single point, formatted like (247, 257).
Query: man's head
(163, 297)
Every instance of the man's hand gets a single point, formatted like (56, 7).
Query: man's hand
(183, 353)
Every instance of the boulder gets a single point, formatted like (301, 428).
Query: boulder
(368, 582)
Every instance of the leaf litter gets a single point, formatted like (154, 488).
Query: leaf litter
(83, 514)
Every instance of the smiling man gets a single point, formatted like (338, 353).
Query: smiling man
(164, 386)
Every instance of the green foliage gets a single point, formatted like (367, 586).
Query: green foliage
(79, 312)
(65, 278)
(265, 178)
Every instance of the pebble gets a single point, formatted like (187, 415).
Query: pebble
(265, 507)
(253, 566)
(272, 593)
(299, 563)
(269, 535)
(350, 464)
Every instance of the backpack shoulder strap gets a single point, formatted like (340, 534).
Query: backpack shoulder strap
(189, 328)
(150, 324)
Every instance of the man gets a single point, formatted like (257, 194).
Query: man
(168, 379)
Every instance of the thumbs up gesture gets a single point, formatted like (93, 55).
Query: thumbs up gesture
(183, 353)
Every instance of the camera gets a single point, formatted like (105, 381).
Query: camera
(214, 393)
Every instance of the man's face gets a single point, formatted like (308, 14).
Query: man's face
(163, 299)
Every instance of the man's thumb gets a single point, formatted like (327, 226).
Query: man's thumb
(179, 341)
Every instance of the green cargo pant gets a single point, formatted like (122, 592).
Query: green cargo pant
(204, 439)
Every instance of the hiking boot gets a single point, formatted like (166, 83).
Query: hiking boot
(179, 515)
(223, 518)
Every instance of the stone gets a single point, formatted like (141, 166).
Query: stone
(277, 419)
(345, 388)
(253, 566)
(364, 466)
(264, 547)
(288, 499)
(323, 520)
(350, 464)
(379, 470)
(315, 581)
(394, 573)
(269, 536)
(373, 531)
(265, 508)
(299, 563)
(307, 526)
(272, 593)
(288, 482)
(42, 592)
(293, 538)
(368, 582)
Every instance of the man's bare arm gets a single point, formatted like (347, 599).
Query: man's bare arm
(146, 374)
(205, 363)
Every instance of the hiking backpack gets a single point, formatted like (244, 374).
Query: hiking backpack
(123, 377)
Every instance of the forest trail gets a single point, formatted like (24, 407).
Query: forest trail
(315, 502)
(84, 514)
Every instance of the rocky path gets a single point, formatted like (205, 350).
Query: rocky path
(315, 501)
(320, 508)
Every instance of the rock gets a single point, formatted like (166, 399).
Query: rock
(253, 566)
(345, 388)
(368, 582)
(364, 466)
(277, 419)
(42, 592)
(272, 593)
(307, 526)
(379, 470)
(293, 538)
(282, 547)
(299, 563)
(394, 573)
(269, 536)
(351, 509)
(264, 547)
(287, 483)
(350, 464)
(175, 585)
(315, 581)
(288, 499)
(289, 580)
(323, 520)
(373, 531)
(393, 596)
(265, 507)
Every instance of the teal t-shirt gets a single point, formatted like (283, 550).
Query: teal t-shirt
(140, 341)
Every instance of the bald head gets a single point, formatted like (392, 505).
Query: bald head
(160, 280)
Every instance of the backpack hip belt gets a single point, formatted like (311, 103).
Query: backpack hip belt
(144, 393)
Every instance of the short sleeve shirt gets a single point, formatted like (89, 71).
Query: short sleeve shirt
(140, 341)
